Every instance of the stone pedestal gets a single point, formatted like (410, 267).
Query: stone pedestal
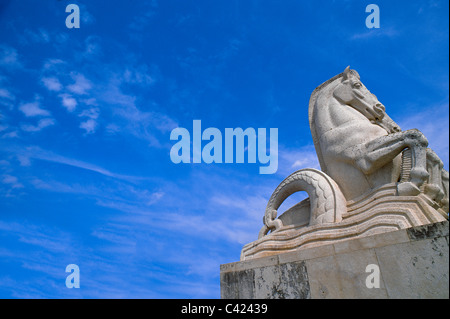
(412, 263)
(377, 212)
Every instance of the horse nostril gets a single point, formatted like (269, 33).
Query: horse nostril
(380, 107)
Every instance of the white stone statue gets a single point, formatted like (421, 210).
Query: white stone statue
(374, 177)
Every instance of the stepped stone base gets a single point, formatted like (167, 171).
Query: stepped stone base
(374, 213)
(412, 262)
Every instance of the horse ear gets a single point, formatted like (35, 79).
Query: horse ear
(346, 73)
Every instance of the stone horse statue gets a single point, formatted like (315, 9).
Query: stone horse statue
(360, 148)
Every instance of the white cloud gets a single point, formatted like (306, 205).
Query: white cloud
(81, 85)
(4, 93)
(12, 181)
(142, 124)
(52, 84)
(112, 128)
(33, 109)
(43, 123)
(91, 113)
(9, 57)
(113, 95)
(90, 101)
(10, 134)
(389, 32)
(24, 160)
(89, 125)
(93, 48)
(139, 75)
(68, 102)
(86, 16)
(38, 153)
(7, 98)
(38, 36)
(53, 64)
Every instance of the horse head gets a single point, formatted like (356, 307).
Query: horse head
(350, 91)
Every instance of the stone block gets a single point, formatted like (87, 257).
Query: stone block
(285, 281)
(343, 276)
(378, 240)
(412, 263)
(417, 269)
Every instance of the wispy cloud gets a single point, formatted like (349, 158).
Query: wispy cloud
(12, 181)
(81, 85)
(91, 113)
(34, 152)
(7, 98)
(89, 126)
(42, 123)
(35, 36)
(141, 20)
(52, 83)
(130, 118)
(138, 75)
(86, 18)
(53, 64)
(110, 95)
(389, 32)
(33, 109)
(291, 160)
(5, 94)
(9, 57)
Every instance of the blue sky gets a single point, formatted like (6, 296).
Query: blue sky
(86, 115)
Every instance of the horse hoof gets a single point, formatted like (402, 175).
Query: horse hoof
(434, 192)
(407, 189)
(445, 205)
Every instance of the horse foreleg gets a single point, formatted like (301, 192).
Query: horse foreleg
(382, 150)
(434, 187)
(445, 201)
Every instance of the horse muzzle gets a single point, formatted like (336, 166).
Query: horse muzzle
(380, 109)
(388, 124)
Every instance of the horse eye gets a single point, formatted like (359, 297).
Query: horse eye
(357, 85)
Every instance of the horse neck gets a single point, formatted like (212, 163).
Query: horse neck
(332, 114)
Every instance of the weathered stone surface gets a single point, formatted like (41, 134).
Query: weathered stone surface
(429, 231)
(285, 281)
(238, 284)
(417, 269)
(413, 263)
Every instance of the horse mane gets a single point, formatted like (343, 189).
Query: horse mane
(311, 115)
